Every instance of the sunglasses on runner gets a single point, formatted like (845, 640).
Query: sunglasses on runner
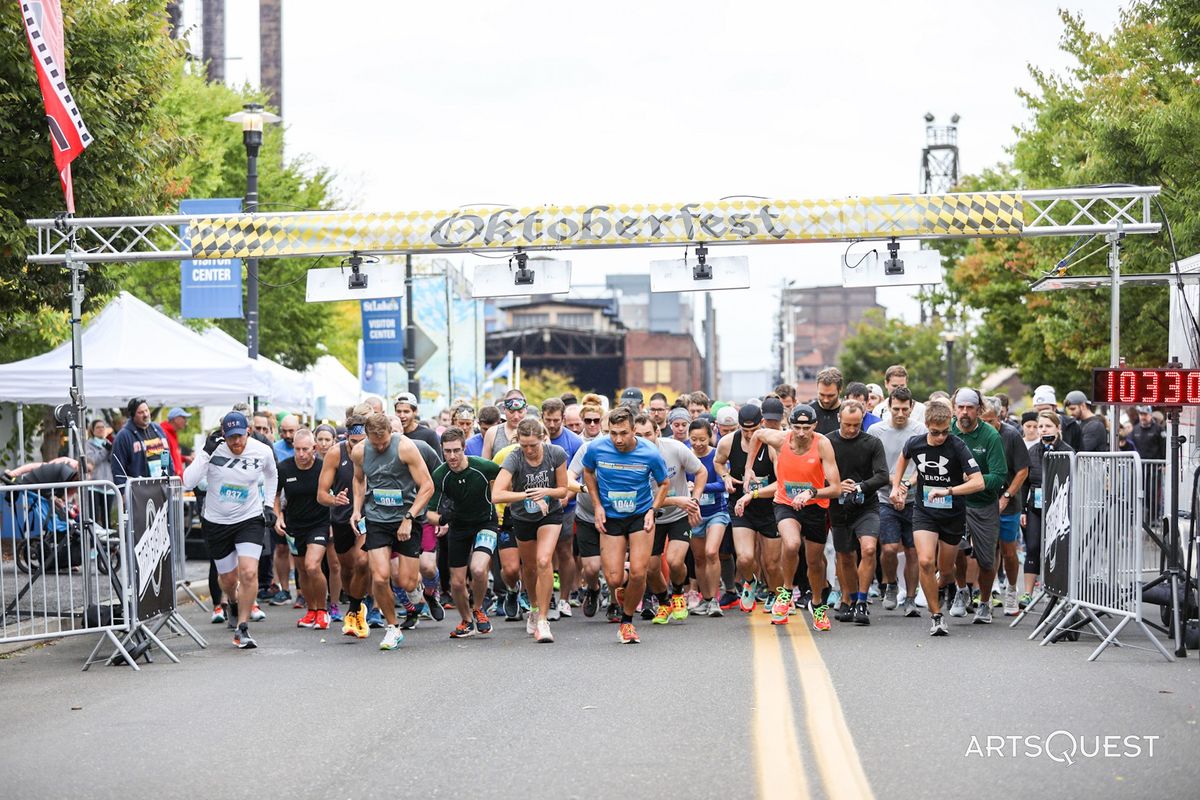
(514, 404)
(940, 433)
(591, 420)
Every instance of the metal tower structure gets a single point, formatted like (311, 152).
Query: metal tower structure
(939, 157)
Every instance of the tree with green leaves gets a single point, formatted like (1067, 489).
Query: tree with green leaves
(1128, 111)
(120, 64)
(879, 343)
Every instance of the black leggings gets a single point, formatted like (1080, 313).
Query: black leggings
(1033, 542)
(214, 585)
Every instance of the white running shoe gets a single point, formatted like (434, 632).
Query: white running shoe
(564, 607)
(392, 639)
(543, 634)
(552, 611)
(531, 623)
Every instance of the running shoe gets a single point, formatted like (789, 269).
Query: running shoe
(335, 612)
(972, 601)
(714, 608)
(649, 606)
(693, 600)
(959, 607)
(591, 602)
(351, 622)
(663, 615)
(576, 598)
(557, 583)
(627, 634)
(761, 593)
(1024, 600)
(361, 629)
(835, 597)
(552, 612)
(614, 612)
(820, 616)
(890, 596)
(701, 609)
(523, 600)
(983, 614)
(542, 634)
(299, 602)
(242, 638)
(531, 622)
(862, 615)
(747, 602)
(782, 604)
(874, 590)
(910, 607)
(392, 639)
(512, 608)
(309, 620)
(937, 626)
(482, 623)
(997, 600)
(412, 618)
(268, 592)
(564, 607)
(256, 613)
(780, 613)
(462, 630)
(322, 621)
(920, 599)
(374, 618)
(679, 608)
(843, 613)
(728, 600)
(434, 604)
(1010, 603)
(218, 615)
(423, 611)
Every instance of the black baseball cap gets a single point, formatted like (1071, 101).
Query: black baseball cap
(749, 416)
(804, 413)
(772, 408)
(632, 395)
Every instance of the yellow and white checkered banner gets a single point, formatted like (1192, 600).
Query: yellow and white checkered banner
(735, 221)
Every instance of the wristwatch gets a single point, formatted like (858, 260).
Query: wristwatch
(1008, 495)
(408, 515)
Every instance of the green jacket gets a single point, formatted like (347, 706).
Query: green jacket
(987, 447)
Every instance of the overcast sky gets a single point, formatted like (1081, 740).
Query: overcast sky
(437, 105)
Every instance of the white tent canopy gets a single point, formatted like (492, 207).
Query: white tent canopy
(289, 389)
(132, 350)
(336, 387)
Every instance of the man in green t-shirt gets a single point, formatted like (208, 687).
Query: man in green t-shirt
(983, 508)
(472, 527)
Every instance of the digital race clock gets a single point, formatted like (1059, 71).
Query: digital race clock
(1146, 387)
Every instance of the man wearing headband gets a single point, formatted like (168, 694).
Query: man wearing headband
(806, 478)
(983, 508)
(335, 490)
(500, 436)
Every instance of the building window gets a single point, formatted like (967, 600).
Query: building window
(656, 372)
(582, 321)
(530, 320)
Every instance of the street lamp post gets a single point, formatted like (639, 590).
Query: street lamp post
(251, 118)
(948, 337)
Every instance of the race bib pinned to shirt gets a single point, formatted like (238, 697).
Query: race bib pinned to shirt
(234, 492)
(707, 499)
(944, 503)
(793, 488)
(388, 498)
(623, 502)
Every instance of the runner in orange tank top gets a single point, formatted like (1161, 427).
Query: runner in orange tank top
(807, 477)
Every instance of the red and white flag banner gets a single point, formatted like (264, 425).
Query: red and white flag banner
(68, 135)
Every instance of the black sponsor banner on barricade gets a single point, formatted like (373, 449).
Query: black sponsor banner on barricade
(1057, 471)
(153, 574)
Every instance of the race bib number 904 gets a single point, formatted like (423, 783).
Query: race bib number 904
(389, 498)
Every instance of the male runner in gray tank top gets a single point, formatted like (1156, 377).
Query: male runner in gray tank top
(392, 487)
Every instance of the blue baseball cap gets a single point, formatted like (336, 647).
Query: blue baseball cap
(177, 412)
(234, 424)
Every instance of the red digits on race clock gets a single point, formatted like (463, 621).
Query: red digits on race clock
(1174, 389)
(1150, 387)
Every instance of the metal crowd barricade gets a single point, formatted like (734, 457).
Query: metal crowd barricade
(64, 560)
(1154, 513)
(153, 515)
(1106, 550)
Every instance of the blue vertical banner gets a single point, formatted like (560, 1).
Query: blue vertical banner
(382, 342)
(210, 288)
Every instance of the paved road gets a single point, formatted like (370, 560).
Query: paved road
(708, 708)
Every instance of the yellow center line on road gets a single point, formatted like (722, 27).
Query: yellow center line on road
(777, 761)
(837, 757)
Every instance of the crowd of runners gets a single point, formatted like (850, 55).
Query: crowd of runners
(654, 511)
